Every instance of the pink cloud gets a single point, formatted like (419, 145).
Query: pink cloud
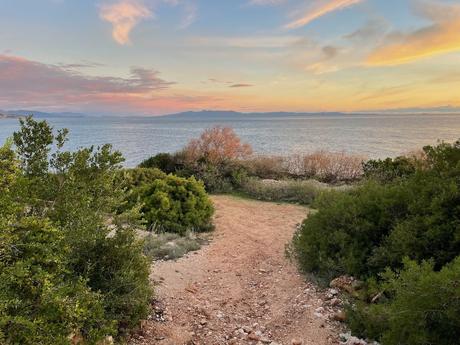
(124, 16)
(29, 84)
(320, 10)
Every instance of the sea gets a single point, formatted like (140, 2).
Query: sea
(369, 135)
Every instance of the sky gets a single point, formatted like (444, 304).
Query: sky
(150, 57)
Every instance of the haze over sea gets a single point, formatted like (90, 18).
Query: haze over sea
(371, 135)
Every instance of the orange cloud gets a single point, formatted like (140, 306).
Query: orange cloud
(124, 16)
(443, 36)
(319, 11)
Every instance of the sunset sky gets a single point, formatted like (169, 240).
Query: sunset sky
(150, 57)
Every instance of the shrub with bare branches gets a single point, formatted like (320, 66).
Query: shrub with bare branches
(320, 165)
(217, 145)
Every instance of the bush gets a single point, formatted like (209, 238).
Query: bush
(422, 306)
(176, 204)
(224, 177)
(389, 169)
(404, 213)
(40, 302)
(323, 166)
(129, 179)
(64, 271)
(164, 161)
(217, 145)
(132, 181)
(374, 226)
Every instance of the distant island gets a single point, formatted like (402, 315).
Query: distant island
(230, 114)
(202, 115)
(8, 114)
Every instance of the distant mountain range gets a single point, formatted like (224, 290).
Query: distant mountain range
(448, 109)
(37, 114)
(229, 114)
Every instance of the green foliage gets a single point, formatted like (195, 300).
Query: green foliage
(389, 169)
(422, 307)
(130, 179)
(40, 301)
(375, 230)
(33, 143)
(374, 226)
(65, 272)
(164, 161)
(225, 176)
(176, 204)
(132, 182)
(218, 177)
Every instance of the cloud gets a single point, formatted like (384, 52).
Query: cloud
(124, 15)
(28, 83)
(190, 15)
(442, 36)
(323, 8)
(266, 2)
(252, 42)
(240, 85)
(373, 30)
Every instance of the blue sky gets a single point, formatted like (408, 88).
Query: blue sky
(159, 56)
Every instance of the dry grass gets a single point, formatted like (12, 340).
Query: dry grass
(324, 166)
(168, 246)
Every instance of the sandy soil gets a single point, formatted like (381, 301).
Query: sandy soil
(240, 289)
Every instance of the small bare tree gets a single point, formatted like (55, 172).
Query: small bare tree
(216, 145)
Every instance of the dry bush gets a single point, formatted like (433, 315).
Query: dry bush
(321, 165)
(302, 192)
(266, 167)
(217, 145)
(332, 167)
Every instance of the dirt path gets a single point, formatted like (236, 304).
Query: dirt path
(240, 289)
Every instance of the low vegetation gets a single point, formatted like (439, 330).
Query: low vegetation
(224, 164)
(175, 204)
(399, 232)
(74, 266)
(328, 167)
(64, 274)
(171, 246)
(302, 192)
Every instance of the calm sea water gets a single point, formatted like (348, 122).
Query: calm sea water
(375, 136)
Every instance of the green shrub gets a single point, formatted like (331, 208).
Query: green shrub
(221, 177)
(389, 169)
(365, 230)
(400, 215)
(63, 270)
(121, 274)
(165, 162)
(41, 302)
(132, 181)
(176, 204)
(422, 306)
(129, 179)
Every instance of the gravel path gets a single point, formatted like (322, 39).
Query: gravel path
(240, 289)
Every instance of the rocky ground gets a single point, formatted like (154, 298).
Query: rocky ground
(241, 289)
